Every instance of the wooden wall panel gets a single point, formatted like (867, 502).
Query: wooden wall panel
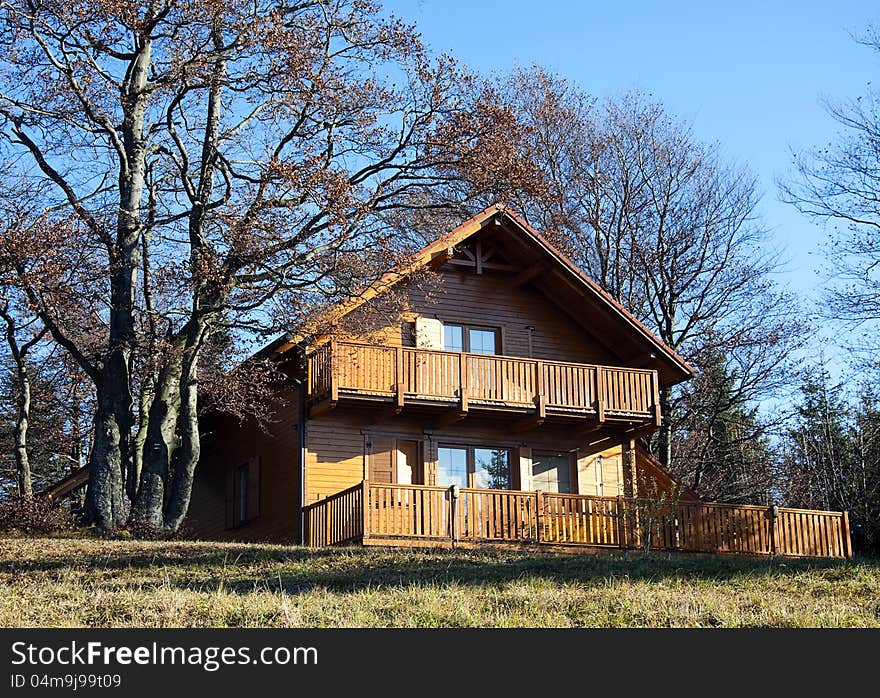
(275, 488)
(335, 457)
(488, 299)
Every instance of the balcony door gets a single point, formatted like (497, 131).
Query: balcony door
(553, 472)
(474, 466)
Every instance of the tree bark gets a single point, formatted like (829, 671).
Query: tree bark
(22, 463)
(159, 444)
(104, 504)
(111, 456)
(187, 455)
(664, 437)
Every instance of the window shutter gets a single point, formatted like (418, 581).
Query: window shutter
(429, 333)
(254, 487)
(382, 460)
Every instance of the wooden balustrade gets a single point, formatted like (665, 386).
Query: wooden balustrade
(495, 515)
(410, 511)
(412, 375)
(395, 513)
(336, 519)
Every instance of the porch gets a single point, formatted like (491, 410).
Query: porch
(461, 382)
(422, 515)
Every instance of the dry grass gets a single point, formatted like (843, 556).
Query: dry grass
(70, 582)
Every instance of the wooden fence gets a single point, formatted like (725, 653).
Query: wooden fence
(390, 513)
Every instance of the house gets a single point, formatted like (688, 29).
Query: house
(503, 406)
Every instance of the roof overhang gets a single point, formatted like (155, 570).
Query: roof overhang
(671, 367)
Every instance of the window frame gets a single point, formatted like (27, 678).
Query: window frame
(572, 468)
(466, 329)
(471, 461)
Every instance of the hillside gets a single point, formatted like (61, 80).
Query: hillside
(73, 582)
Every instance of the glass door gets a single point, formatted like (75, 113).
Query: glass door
(551, 472)
(452, 468)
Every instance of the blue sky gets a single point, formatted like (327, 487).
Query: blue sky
(749, 75)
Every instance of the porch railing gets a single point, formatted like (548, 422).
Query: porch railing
(405, 374)
(391, 513)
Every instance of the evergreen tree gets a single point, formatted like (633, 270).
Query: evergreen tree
(830, 457)
(722, 450)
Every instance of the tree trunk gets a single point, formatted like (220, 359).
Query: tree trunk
(22, 462)
(159, 444)
(172, 445)
(23, 402)
(104, 504)
(111, 455)
(187, 455)
(133, 476)
(664, 437)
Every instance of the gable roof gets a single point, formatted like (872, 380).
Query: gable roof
(676, 369)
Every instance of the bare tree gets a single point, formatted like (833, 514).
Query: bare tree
(216, 160)
(839, 184)
(668, 228)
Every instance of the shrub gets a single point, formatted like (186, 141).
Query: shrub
(37, 515)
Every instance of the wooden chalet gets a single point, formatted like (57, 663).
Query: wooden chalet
(503, 408)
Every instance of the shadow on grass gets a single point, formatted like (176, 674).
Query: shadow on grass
(243, 568)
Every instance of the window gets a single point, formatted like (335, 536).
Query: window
(452, 467)
(453, 338)
(476, 340)
(551, 472)
(243, 493)
(492, 468)
(482, 341)
(474, 466)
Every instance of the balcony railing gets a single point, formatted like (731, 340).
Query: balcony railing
(390, 514)
(406, 375)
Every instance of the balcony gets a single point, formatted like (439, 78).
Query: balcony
(404, 376)
(419, 515)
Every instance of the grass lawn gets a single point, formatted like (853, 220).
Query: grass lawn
(88, 582)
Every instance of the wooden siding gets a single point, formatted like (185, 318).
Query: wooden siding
(488, 300)
(334, 459)
(342, 442)
(228, 445)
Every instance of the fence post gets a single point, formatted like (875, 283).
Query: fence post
(453, 510)
(539, 516)
(698, 528)
(307, 525)
(326, 522)
(847, 537)
(365, 509)
(774, 529)
(540, 398)
(399, 388)
(334, 379)
(655, 389)
(463, 381)
(621, 539)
